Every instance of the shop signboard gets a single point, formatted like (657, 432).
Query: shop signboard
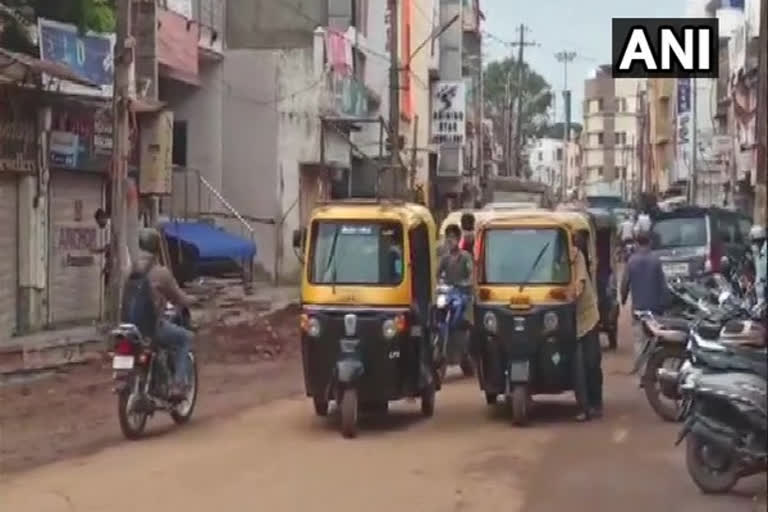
(90, 55)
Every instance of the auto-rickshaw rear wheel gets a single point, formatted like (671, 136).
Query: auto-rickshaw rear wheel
(467, 366)
(519, 402)
(321, 406)
(491, 398)
(349, 410)
(428, 400)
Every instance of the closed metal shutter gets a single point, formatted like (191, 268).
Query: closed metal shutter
(76, 282)
(9, 255)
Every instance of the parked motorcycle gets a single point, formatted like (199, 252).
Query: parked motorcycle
(722, 385)
(142, 375)
(449, 340)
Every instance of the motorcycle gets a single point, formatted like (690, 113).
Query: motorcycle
(724, 429)
(722, 384)
(142, 374)
(450, 343)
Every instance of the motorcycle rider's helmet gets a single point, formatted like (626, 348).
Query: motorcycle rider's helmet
(757, 234)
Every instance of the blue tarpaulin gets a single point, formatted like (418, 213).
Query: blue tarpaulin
(212, 243)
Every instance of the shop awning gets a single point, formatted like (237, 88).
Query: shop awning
(19, 68)
(211, 242)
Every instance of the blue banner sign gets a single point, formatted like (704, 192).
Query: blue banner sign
(89, 55)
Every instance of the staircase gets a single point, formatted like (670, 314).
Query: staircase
(195, 201)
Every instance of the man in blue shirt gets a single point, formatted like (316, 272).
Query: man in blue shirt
(644, 277)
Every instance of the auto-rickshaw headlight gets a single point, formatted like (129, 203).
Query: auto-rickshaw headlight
(389, 329)
(313, 327)
(490, 322)
(550, 321)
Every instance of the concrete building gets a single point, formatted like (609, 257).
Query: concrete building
(298, 81)
(661, 130)
(457, 182)
(545, 159)
(612, 113)
(574, 168)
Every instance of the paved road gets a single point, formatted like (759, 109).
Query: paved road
(279, 457)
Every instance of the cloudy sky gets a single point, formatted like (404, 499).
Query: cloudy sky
(583, 26)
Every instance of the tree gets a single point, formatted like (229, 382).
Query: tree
(537, 96)
(18, 19)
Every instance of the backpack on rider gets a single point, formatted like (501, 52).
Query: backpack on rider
(138, 304)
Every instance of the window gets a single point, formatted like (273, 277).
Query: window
(600, 171)
(680, 232)
(179, 151)
(600, 138)
(559, 154)
(621, 104)
(356, 253)
(621, 138)
(535, 256)
(727, 228)
(600, 105)
(541, 156)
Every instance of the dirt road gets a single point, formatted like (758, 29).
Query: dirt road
(279, 457)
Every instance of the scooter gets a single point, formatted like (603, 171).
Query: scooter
(450, 340)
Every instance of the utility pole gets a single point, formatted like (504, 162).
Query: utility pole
(394, 86)
(693, 193)
(521, 44)
(761, 168)
(121, 129)
(565, 57)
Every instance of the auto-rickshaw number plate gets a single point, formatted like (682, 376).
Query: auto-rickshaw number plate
(518, 371)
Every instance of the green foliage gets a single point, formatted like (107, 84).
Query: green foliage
(537, 97)
(94, 15)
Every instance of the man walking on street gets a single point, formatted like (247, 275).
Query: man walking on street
(587, 317)
(644, 277)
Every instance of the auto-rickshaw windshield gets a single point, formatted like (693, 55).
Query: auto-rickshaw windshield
(355, 253)
(526, 256)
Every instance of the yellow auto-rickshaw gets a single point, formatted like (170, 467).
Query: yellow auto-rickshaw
(367, 289)
(525, 314)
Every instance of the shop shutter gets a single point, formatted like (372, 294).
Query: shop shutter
(75, 273)
(9, 255)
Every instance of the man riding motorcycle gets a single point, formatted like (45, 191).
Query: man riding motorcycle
(165, 289)
(455, 269)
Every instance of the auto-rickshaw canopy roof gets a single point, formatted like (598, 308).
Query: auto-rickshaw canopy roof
(407, 213)
(570, 220)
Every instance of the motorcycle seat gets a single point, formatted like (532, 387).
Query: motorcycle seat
(744, 333)
(673, 324)
(744, 387)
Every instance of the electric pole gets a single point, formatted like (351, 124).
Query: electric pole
(694, 181)
(565, 57)
(521, 44)
(761, 168)
(394, 87)
(121, 104)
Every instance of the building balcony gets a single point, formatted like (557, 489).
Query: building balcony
(344, 96)
(210, 15)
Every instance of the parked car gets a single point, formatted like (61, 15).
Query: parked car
(692, 240)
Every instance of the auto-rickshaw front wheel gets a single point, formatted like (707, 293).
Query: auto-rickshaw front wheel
(349, 410)
(519, 401)
(321, 406)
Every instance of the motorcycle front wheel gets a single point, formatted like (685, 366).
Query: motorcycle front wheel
(132, 419)
(666, 408)
(713, 471)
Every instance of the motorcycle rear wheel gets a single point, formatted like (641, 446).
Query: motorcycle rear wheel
(132, 423)
(651, 385)
(709, 479)
(182, 412)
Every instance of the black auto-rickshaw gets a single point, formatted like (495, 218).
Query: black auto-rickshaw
(606, 279)
(525, 332)
(367, 290)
